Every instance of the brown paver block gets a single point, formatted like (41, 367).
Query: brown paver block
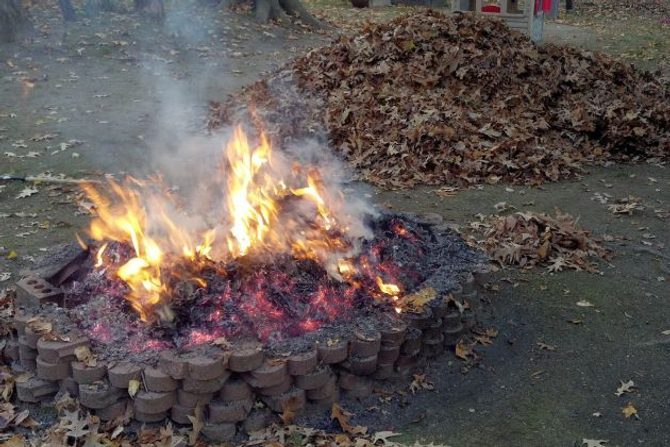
(35, 389)
(202, 367)
(235, 389)
(258, 419)
(120, 374)
(388, 354)
(438, 307)
(32, 291)
(327, 390)
(235, 411)
(315, 379)
(295, 398)
(277, 389)
(394, 335)
(327, 402)
(333, 352)
(303, 363)
(349, 381)
(420, 320)
(219, 432)
(53, 371)
(360, 392)
(246, 358)
(25, 351)
(468, 319)
(172, 364)
(451, 321)
(192, 400)
(149, 417)
(151, 402)
(363, 366)
(270, 373)
(99, 395)
(384, 371)
(11, 351)
(69, 386)
(21, 318)
(180, 414)
(433, 347)
(365, 345)
(30, 338)
(114, 411)
(205, 386)
(434, 330)
(52, 351)
(412, 341)
(158, 381)
(82, 373)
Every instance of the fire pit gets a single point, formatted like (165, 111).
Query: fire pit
(294, 296)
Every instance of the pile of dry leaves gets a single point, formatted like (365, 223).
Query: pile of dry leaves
(528, 239)
(431, 99)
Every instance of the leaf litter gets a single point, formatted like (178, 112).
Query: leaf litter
(528, 239)
(431, 99)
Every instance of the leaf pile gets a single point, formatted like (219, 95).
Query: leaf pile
(431, 99)
(527, 239)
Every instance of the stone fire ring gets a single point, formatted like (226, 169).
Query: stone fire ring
(225, 384)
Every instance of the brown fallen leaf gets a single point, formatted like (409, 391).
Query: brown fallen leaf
(629, 410)
(342, 417)
(625, 387)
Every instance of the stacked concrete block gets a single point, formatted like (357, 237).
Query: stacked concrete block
(241, 389)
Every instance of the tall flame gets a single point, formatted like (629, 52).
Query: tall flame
(147, 217)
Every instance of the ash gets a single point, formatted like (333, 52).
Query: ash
(287, 303)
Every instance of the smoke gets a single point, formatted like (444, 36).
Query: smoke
(194, 176)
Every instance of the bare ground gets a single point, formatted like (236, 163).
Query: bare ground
(114, 82)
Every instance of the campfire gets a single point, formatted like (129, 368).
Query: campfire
(265, 275)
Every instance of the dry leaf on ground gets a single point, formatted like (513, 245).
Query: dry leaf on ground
(625, 387)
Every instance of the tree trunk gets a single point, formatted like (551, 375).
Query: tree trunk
(68, 11)
(155, 9)
(277, 9)
(13, 19)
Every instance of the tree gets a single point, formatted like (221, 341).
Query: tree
(68, 11)
(13, 19)
(267, 10)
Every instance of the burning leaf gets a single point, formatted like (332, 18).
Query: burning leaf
(26, 192)
(420, 382)
(625, 387)
(133, 387)
(342, 416)
(629, 410)
(594, 442)
(416, 301)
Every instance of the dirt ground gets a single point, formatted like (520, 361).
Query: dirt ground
(106, 95)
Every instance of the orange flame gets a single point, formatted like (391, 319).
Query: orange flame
(144, 215)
